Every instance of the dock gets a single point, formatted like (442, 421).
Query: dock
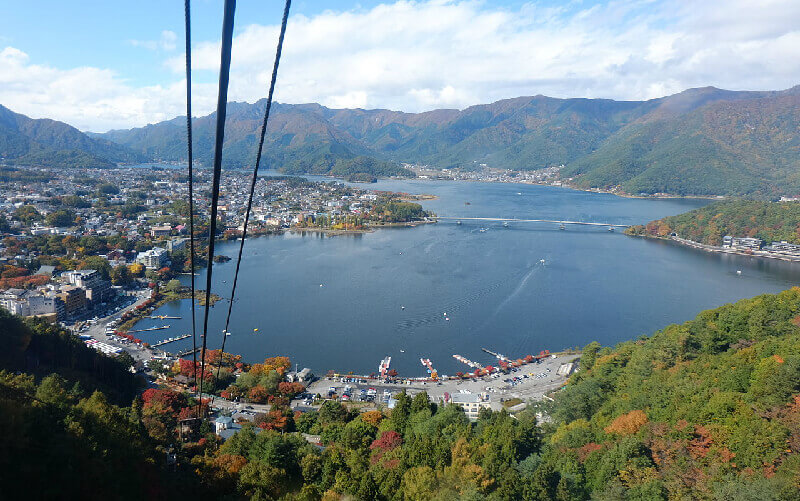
(170, 340)
(149, 329)
(498, 356)
(187, 351)
(463, 360)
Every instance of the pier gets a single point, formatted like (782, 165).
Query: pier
(187, 351)
(164, 317)
(463, 360)
(170, 340)
(149, 329)
(497, 355)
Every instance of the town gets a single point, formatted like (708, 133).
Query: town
(76, 240)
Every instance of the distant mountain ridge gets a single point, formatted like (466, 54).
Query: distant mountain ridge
(703, 141)
(46, 142)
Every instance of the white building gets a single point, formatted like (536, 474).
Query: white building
(153, 259)
(472, 403)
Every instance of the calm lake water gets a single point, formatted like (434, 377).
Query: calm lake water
(336, 302)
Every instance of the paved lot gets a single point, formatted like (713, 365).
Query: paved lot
(541, 378)
(97, 331)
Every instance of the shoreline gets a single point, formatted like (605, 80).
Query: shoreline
(721, 250)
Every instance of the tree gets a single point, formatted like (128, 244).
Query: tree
(60, 218)
(27, 214)
(589, 355)
(172, 286)
(121, 275)
(420, 402)
(419, 483)
(107, 189)
(332, 412)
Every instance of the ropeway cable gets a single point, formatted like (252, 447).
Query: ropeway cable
(255, 176)
(191, 176)
(222, 101)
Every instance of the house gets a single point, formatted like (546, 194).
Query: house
(472, 403)
(785, 248)
(741, 243)
(222, 423)
(304, 376)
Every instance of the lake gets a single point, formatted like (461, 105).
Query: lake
(435, 290)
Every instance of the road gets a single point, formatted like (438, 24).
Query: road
(226, 405)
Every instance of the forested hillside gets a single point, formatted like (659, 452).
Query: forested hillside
(709, 409)
(769, 221)
(701, 141)
(49, 143)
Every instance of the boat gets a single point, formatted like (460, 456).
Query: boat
(458, 222)
(505, 224)
(562, 227)
(467, 203)
(402, 307)
(610, 228)
(541, 261)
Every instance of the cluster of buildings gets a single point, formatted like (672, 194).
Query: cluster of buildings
(69, 297)
(482, 172)
(756, 244)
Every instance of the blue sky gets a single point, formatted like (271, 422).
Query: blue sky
(101, 65)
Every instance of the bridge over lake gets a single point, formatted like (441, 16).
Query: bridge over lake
(513, 220)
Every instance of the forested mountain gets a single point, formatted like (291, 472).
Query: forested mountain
(769, 221)
(46, 142)
(700, 141)
(708, 410)
(737, 144)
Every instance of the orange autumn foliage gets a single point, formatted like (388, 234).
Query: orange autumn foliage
(372, 417)
(627, 424)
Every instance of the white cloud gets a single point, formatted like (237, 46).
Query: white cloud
(417, 56)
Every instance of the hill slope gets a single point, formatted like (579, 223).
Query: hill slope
(700, 141)
(24, 140)
(769, 221)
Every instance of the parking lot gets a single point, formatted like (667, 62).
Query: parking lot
(528, 382)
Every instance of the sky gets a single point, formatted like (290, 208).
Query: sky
(101, 65)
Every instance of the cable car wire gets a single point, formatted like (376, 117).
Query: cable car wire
(187, 16)
(222, 102)
(255, 176)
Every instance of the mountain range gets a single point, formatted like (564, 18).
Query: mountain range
(703, 141)
(50, 143)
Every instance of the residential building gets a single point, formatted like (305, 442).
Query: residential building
(785, 248)
(97, 288)
(742, 243)
(153, 259)
(74, 299)
(161, 231)
(472, 403)
(176, 244)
